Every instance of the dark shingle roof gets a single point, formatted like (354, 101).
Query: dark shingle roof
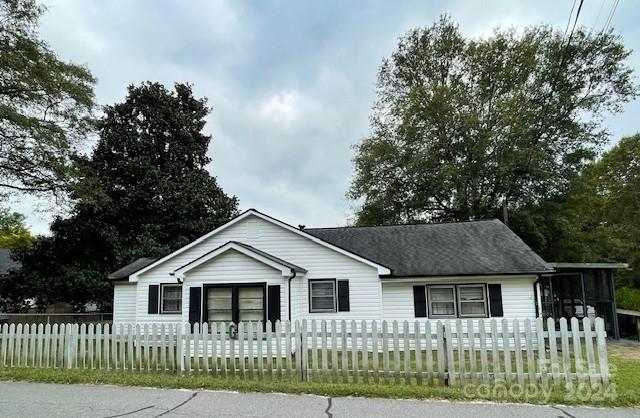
(446, 249)
(124, 272)
(6, 263)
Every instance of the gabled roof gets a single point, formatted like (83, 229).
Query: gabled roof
(124, 272)
(6, 262)
(285, 267)
(446, 249)
(382, 269)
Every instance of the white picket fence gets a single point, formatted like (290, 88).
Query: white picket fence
(421, 352)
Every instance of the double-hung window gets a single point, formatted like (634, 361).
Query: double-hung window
(442, 301)
(171, 298)
(322, 296)
(457, 301)
(473, 300)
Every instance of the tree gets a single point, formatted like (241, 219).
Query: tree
(45, 106)
(154, 196)
(462, 127)
(13, 231)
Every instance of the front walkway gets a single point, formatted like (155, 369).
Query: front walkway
(19, 399)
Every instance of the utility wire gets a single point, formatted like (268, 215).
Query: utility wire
(610, 16)
(595, 23)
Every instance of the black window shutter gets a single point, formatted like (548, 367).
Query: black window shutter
(154, 298)
(343, 296)
(495, 299)
(420, 301)
(195, 304)
(273, 305)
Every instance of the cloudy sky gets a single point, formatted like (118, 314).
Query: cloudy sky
(291, 82)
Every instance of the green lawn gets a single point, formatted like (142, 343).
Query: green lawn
(626, 383)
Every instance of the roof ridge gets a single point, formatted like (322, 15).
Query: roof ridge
(407, 224)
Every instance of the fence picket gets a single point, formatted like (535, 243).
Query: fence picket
(214, 348)
(32, 345)
(461, 357)
(334, 351)
(163, 348)
(323, 346)
(344, 352)
(396, 353)
(259, 350)
(517, 345)
(385, 351)
(506, 349)
(98, 349)
(364, 340)
(4, 339)
(577, 349)
(484, 362)
(553, 351)
(588, 344)
(131, 360)
(471, 336)
(279, 338)
(250, 354)
(531, 364)
(314, 350)
(287, 330)
(354, 351)
(196, 347)
(269, 342)
(440, 351)
(91, 343)
(495, 354)
(418, 351)
(406, 353)
(602, 352)
(429, 350)
(449, 347)
(566, 355)
(106, 334)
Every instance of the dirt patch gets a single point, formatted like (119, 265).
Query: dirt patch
(624, 349)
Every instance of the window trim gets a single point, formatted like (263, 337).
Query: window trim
(335, 296)
(485, 298)
(455, 298)
(162, 311)
(235, 311)
(456, 301)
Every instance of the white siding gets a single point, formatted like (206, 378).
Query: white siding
(124, 303)
(233, 267)
(321, 263)
(518, 298)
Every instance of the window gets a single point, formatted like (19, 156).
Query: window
(171, 298)
(442, 301)
(472, 299)
(220, 304)
(322, 296)
(457, 301)
(235, 303)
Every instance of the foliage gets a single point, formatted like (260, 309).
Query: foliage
(628, 298)
(598, 220)
(154, 196)
(45, 106)
(13, 231)
(463, 126)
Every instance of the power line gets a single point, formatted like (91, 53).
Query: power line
(610, 16)
(595, 23)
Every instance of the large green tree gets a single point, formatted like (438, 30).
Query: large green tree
(13, 230)
(463, 128)
(45, 106)
(153, 194)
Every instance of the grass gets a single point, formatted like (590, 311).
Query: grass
(627, 380)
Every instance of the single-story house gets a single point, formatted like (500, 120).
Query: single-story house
(256, 267)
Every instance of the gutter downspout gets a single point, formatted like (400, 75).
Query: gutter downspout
(289, 293)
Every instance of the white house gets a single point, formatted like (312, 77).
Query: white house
(256, 267)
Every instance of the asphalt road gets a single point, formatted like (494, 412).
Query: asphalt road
(18, 399)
